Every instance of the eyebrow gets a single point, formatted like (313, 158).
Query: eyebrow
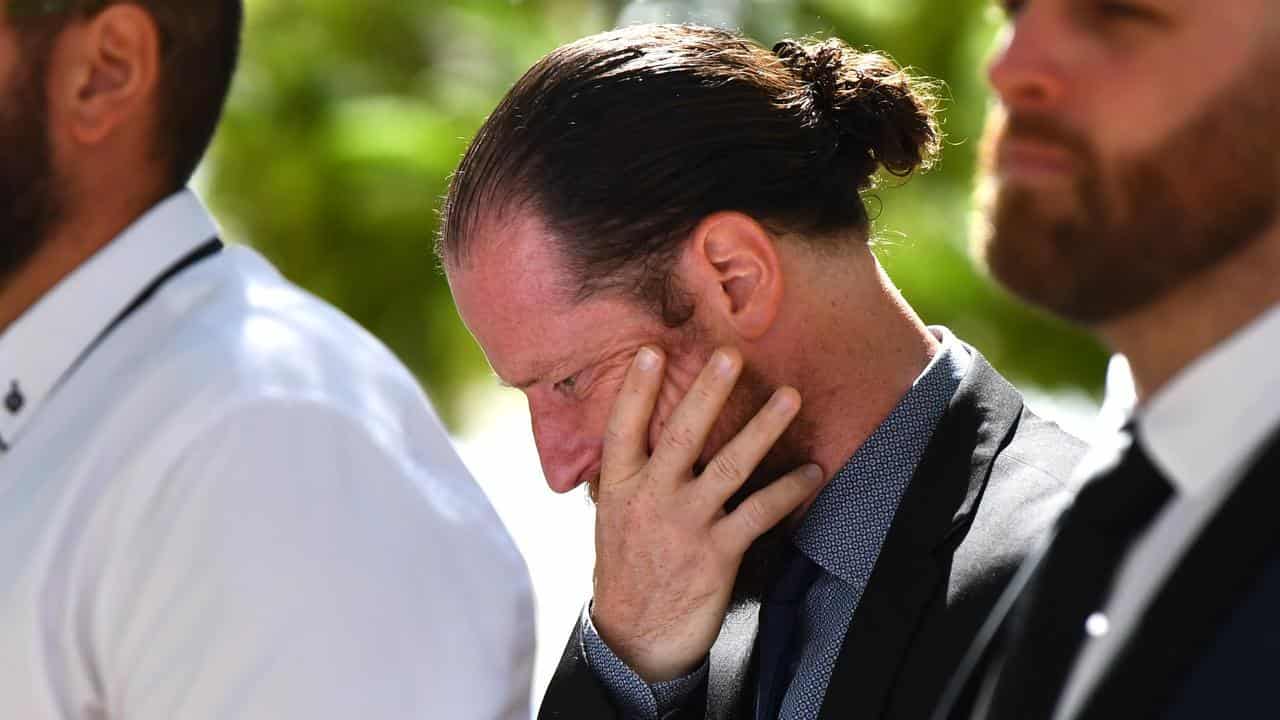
(545, 371)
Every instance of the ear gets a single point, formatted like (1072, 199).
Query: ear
(108, 72)
(732, 261)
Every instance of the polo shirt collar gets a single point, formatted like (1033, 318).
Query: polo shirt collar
(44, 344)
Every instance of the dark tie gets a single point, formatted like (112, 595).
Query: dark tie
(1048, 623)
(780, 633)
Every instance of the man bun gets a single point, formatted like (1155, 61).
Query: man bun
(876, 114)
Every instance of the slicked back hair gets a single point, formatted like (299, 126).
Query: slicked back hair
(622, 142)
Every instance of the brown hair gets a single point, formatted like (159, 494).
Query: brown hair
(200, 46)
(623, 141)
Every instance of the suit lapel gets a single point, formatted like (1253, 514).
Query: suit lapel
(1217, 572)
(937, 506)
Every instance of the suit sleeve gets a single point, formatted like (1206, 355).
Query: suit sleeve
(592, 682)
(292, 564)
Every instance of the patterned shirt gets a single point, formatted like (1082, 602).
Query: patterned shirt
(842, 532)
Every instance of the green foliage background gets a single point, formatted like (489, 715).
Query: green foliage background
(347, 118)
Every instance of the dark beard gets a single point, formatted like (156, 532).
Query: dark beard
(30, 196)
(1134, 235)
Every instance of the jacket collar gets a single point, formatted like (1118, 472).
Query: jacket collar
(938, 505)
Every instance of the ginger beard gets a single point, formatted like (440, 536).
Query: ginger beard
(1127, 232)
(30, 196)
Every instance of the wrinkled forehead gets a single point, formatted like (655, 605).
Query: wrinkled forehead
(509, 284)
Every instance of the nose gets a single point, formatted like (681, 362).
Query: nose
(568, 453)
(1024, 72)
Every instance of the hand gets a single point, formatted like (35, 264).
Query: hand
(667, 553)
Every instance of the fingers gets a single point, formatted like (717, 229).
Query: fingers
(766, 508)
(686, 430)
(626, 440)
(729, 469)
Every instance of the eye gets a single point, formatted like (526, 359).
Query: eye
(1111, 10)
(567, 385)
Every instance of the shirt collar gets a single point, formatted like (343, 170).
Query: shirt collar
(1203, 426)
(862, 499)
(42, 345)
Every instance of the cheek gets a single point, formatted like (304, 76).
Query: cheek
(680, 376)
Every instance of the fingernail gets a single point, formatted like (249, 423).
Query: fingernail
(646, 359)
(782, 403)
(812, 473)
(723, 363)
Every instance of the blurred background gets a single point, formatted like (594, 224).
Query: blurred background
(347, 118)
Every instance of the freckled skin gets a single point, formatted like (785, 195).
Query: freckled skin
(512, 295)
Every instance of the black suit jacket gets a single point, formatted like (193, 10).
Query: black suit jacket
(1209, 644)
(989, 486)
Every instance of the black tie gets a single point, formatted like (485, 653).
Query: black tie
(1074, 578)
(779, 633)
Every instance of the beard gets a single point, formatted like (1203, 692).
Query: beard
(30, 196)
(1115, 242)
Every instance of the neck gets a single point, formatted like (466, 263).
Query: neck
(871, 349)
(1166, 336)
(68, 246)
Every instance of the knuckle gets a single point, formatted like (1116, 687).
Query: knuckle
(615, 432)
(705, 394)
(681, 438)
(726, 467)
(755, 516)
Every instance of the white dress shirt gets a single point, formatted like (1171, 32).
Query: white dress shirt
(1200, 430)
(238, 505)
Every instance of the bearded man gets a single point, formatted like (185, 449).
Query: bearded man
(1132, 186)
(682, 189)
(219, 497)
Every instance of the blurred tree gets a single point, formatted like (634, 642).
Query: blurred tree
(347, 119)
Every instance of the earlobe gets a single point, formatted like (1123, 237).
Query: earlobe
(740, 265)
(113, 71)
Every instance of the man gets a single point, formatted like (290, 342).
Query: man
(219, 497)
(1134, 188)
(679, 189)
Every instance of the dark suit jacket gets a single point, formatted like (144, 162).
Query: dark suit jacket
(990, 483)
(1208, 646)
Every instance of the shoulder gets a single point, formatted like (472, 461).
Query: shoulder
(1042, 447)
(236, 368)
(1029, 486)
(250, 331)
(232, 333)
(1031, 480)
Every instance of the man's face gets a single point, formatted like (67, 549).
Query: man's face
(29, 197)
(570, 358)
(1133, 148)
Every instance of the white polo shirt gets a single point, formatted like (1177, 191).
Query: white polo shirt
(237, 505)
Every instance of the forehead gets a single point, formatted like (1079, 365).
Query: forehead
(515, 294)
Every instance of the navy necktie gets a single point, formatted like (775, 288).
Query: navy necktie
(1073, 581)
(780, 623)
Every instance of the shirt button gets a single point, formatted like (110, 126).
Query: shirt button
(1097, 625)
(14, 400)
